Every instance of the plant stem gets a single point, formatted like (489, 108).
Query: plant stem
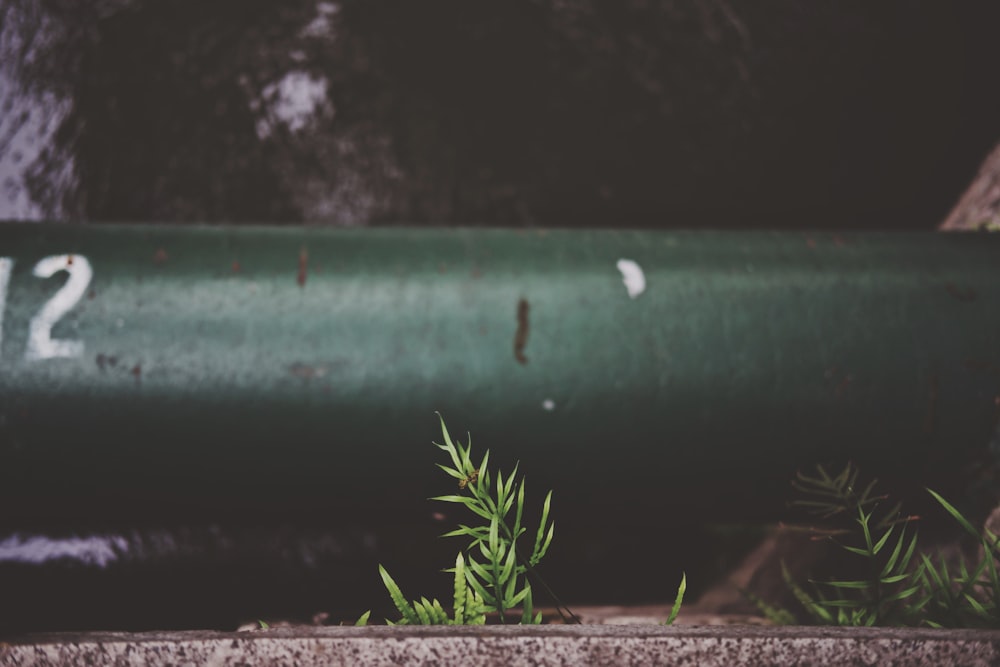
(528, 568)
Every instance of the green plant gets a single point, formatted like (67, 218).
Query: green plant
(678, 600)
(499, 582)
(900, 589)
(468, 607)
(887, 593)
(493, 573)
(963, 596)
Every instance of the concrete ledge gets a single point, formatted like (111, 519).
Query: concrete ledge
(493, 645)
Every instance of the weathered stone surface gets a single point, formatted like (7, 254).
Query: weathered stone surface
(544, 645)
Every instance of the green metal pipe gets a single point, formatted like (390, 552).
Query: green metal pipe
(141, 362)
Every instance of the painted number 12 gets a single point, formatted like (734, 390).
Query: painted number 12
(41, 345)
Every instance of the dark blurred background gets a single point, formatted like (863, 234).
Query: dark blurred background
(617, 113)
(630, 113)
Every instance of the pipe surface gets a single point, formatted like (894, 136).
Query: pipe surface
(212, 362)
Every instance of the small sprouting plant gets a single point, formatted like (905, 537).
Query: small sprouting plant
(678, 600)
(963, 596)
(468, 607)
(904, 586)
(492, 573)
(889, 591)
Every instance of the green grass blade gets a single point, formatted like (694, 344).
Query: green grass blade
(853, 585)
(854, 550)
(676, 609)
(901, 595)
(962, 521)
(894, 556)
(882, 540)
(363, 620)
(540, 535)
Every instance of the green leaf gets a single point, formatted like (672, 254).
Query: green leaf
(508, 493)
(475, 609)
(882, 540)
(863, 521)
(520, 511)
(858, 585)
(545, 544)
(528, 610)
(977, 607)
(434, 611)
(478, 532)
(514, 600)
(676, 609)
(363, 620)
(506, 573)
(929, 567)
(464, 500)
(461, 589)
(478, 570)
(409, 614)
(501, 497)
(900, 595)
(477, 586)
(483, 466)
(855, 550)
(905, 563)
(425, 618)
(962, 521)
(451, 471)
(992, 569)
(541, 525)
(449, 446)
(494, 538)
(471, 503)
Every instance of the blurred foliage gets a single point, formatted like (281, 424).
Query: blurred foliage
(575, 112)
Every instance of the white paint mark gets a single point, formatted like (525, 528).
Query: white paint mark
(40, 342)
(6, 264)
(295, 101)
(633, 277)
(549, 404)
(93, 550)
(321, 26)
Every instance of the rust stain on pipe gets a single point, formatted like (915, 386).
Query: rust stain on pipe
(521, 335)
